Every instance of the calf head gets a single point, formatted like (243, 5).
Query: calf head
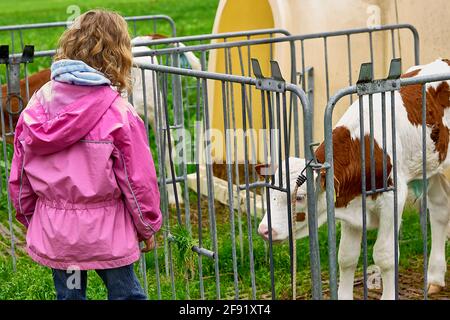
(279, 204)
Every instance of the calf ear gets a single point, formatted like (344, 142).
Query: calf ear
(156, 36)
(264, 170)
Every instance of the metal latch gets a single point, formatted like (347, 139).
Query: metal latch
(367, 85)
(275, 83)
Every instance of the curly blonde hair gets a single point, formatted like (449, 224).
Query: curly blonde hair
(100, 39)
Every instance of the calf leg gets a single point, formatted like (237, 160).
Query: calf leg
(439, 206)
(384, 250)
(349, 251)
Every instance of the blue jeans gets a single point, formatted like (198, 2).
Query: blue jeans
(122, 284)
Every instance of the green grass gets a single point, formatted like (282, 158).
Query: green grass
(191, 17)
(32, 281)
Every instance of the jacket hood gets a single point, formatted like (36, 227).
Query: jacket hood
(60, 114)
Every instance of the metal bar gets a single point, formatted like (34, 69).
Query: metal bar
(223, 35)
(161, 155)
(236, 162)
(21, 40)
(363, 192)
(424, 203)
(230, 102)
(292, 234)
(272, 136)
(286, 38)
(294, 105)
(162, 143)
(155, 251)
(349, 56)
(247, 194)
(327, 80)
(197, 74)
(178, 116)
(221, 45)
(371, 52)
(330, 191)
(210, 184)
(266, 181)
(394, 55)
(302, 46)
(249, 107)
(261, 184)
(6, 162)
(134, 28)
(271, 48)
(383, 132)
(64, 23)
(229, 160)
(12, 42)
(158, 281)
(199, 206)
(143, 263)
(372, 145)
(169, 139)
(170, 181)
(167, 133)
(143, 267)
(379, 190)
(312, 217)
(279, 147)
(394, 172)
(144, 98)
(154, 26)
(204, 252)
(27, 84)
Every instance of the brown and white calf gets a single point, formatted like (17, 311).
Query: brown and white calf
(35, 82)
(380, 208)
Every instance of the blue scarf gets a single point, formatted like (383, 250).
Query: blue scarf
(77, 72)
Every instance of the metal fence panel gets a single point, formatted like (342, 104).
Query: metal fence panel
(367, 89)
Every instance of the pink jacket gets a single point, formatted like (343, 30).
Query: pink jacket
(82, 178)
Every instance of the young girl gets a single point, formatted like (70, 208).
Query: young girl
(82, 178)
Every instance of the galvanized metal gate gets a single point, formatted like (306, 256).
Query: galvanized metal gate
(274, 103)
(367, 89)
(246, 180)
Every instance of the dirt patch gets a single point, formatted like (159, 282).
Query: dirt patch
(410, 286)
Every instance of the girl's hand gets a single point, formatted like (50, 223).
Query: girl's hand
(149, 244)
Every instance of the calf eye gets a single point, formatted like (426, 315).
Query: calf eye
(300, 197)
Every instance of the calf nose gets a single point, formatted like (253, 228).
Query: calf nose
(263, 231)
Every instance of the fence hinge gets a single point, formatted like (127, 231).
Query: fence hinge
(275, 83)
(367, 85)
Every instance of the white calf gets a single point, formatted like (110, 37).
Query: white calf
(380, 207)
